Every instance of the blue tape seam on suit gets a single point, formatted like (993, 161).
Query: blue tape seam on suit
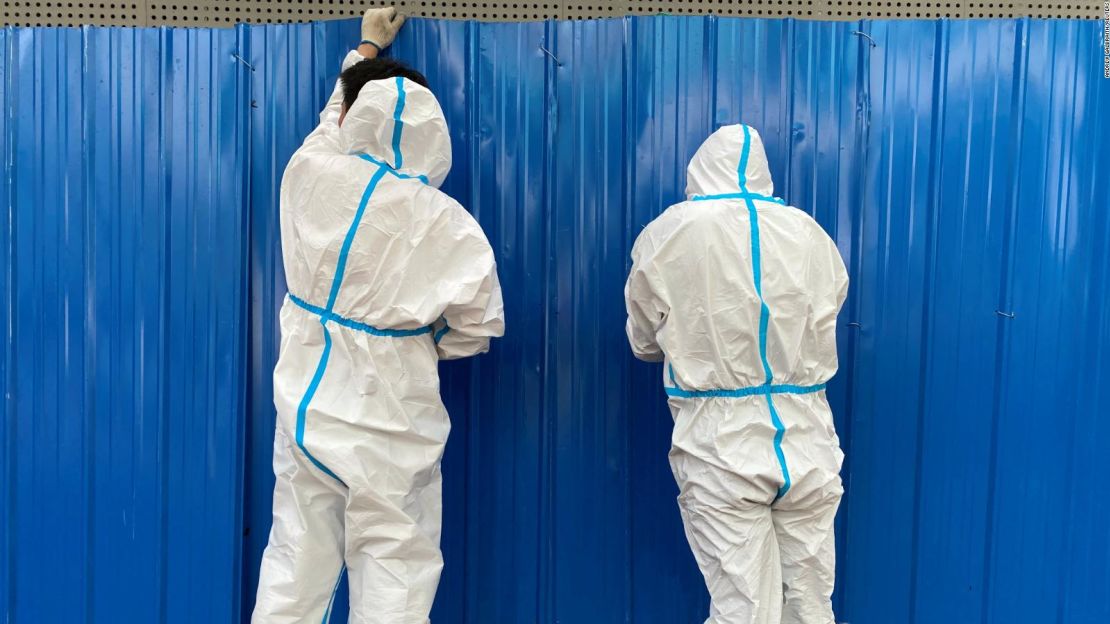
(390, 170)
(356, 325)
(769, 388)
(398, 125)
(739, 393)
(331, 601)
(328, 314)
(442, 332)
(756, 196)
(764, 314)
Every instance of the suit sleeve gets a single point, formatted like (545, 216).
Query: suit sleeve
(475, 312)
(828, 281)
(326, 135)
(646, 309)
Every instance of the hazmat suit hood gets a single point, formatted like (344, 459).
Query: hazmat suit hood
(731, 160)
(400, 123)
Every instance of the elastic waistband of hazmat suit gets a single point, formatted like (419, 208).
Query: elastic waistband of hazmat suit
(738, 294)
(387, 275)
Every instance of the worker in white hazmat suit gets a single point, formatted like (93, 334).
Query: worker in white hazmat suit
(738, 294)
(387, 275)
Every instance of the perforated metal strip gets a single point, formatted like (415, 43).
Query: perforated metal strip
(210, 13)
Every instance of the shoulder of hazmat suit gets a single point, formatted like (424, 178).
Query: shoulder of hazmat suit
(387, 275)
(738, 294)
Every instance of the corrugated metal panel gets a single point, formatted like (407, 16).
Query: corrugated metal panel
(125, 275)
(961, 166)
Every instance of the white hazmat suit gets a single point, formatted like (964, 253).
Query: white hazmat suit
(739, 295)
(387, 275)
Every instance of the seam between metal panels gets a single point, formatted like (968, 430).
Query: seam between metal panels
(243, 136)
(1002, 346)
(1065, 216)
(471, 90)
(166, 109)
(940, 73)
(862, 116)
(7, 396)
(711, 36)
(791, 63)
(244, 52)
(1095, 309)
(89, 277)
(545, 599)
(628, 177)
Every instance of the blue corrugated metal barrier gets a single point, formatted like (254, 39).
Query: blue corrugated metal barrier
(962, 166)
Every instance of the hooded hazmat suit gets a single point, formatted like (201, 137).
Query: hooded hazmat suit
(739, 295)
(387, 275)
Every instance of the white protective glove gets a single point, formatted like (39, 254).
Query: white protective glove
(380, 26)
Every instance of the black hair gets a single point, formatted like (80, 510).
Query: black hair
(356, 76)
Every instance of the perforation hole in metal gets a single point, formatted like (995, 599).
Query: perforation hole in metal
(215, 13)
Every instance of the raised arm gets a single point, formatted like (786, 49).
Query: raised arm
(379, 28)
